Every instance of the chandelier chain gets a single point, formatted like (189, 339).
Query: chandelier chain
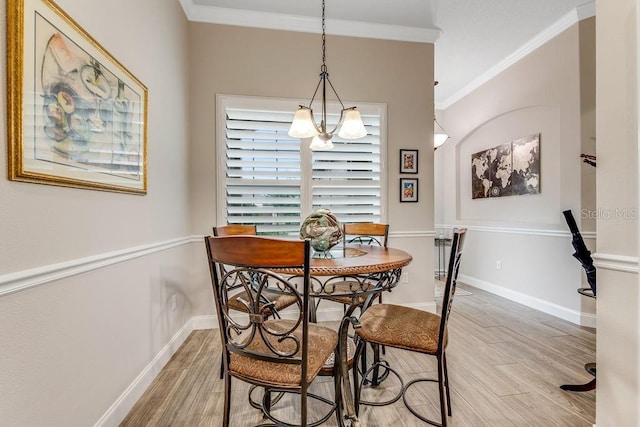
(304, 124)
(324, 44)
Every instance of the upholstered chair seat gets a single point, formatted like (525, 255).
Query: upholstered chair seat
(322, 343)
(401, 327)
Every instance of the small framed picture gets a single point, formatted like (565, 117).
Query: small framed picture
(408, 189)
(408, 161)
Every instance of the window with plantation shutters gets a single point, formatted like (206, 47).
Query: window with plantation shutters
(271, 180)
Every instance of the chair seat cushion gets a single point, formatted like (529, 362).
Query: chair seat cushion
(402, 327)
(322, 342)
(280, 300)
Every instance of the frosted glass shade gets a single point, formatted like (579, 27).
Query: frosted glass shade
(302, 125)
(439, 139)
(352, 126)
(319, 144)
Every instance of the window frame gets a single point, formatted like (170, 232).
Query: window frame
(224, 101)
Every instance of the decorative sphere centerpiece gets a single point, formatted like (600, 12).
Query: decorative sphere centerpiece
(323, 228)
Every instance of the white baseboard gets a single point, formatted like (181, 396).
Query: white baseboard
(121, 407)
(573, 316)
(204, 322)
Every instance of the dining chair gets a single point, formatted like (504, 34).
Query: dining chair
(235, 230)
(364, 233)
(272, 303)
(281, 355)
(414, 330)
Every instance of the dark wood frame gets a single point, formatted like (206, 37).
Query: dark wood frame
(405, 199)
(403, 154)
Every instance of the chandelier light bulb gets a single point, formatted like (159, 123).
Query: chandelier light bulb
(321, 142)
(302, 125)
(352, 126)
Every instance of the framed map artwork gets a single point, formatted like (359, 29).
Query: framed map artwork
(507, 170)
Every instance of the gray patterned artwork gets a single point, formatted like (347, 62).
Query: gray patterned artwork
(507, 170)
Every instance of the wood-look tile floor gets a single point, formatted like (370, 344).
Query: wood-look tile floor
(506, 363)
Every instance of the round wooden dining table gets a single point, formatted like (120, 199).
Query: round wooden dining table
(353, 272)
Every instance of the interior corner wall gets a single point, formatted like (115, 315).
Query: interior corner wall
(86, 277)
(283, 64)
(519, 246)
(618, 297)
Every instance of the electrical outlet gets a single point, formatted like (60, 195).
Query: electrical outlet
(174, 302)
(405, 277)
(498, 265)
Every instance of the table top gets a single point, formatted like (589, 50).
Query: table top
(356, 259)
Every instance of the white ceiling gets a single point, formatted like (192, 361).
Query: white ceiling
(475, 39)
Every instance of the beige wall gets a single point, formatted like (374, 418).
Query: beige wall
(587, 34)
(618, 336)
(248, 61)
(84, 328)
(541, 93)
(87, 277)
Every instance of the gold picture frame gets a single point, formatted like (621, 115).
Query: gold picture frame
(76, 117)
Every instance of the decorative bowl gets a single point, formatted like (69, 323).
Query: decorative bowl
(323, 228)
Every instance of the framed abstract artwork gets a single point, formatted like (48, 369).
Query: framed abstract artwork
(76, 116)
(408, 189)
(408, 161)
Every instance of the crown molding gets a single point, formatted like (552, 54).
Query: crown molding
(584, 11)
(305, 24)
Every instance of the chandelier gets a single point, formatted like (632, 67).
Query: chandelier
(349, 124)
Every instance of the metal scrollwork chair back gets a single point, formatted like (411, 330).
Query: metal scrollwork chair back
(280, 355)
(271, 303)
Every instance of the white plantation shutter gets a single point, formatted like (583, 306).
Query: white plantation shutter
(347, 179)
(271, 180)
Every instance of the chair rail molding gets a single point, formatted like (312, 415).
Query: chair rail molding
(25, 279)
(546, 232)
(623, 263)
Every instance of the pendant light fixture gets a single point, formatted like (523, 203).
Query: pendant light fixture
(439, 136)
(349, 124)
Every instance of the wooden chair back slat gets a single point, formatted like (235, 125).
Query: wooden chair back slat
(366, 233)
